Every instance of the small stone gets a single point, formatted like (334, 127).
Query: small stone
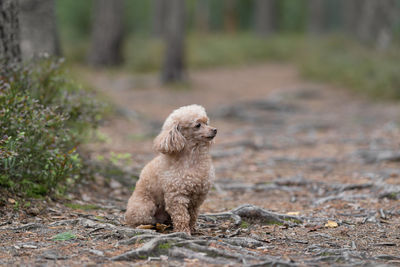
(115, 184)
(53, 255)
(163, 257)
(29, 246)
(88, 223)
(33, 211)
(86, 197)
(96, 252)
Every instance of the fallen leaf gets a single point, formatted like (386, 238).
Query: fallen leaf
(161, 227)
(145, 226)
(331, 224)
(293, 213)
(11, 200)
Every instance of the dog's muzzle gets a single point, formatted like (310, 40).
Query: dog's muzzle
(214, 133)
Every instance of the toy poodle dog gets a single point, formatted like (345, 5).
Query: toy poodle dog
(175, 183)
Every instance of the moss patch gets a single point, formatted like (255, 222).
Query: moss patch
(165, 246)
(64, 236)
(244, 224)
(77, 206)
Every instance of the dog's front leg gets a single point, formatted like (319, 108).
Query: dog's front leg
(177, 208)
(193, 212)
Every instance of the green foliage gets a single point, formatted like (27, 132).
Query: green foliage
(138, 16)
(343, 62)
(74, 24)
(37, 151)
(292, 15)
(43, 118)
(165, 246)
(74, 18)
(65, 236)
(77, 206)
(149, 59)
(16, 205)
(121, 158)
(294, 220)
(51, 87)
(114, 167)
(244, 225)
(272, 222)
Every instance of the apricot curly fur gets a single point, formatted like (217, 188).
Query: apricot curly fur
(175, 183)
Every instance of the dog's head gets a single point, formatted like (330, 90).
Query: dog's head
(185, 127)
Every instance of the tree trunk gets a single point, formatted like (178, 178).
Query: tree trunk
(230, 16)
(174, 63)
(38, 28)
(159, 13)
(107, 33)
(377, 22)
(202, 15)
(265, 16)
(316, 16)
(351, 15)
(10, 52)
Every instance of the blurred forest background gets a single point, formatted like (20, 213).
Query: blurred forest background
(354, 43)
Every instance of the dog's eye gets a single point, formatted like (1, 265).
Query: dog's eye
(198, 125)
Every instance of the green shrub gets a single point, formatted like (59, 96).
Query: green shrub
(51, 87)
(42, 120)
(347, 63)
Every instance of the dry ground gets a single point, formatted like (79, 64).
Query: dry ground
(327, 158)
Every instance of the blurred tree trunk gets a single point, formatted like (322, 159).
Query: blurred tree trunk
(351, 15)
(316, 16)
(174, 63)
(202, 15)
(159, 7)
(107, 33)
(9, 34)
(230, 16)
(265, 16)
(38, 28)
(377, 22)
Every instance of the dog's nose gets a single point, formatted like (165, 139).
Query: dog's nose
(215, 131)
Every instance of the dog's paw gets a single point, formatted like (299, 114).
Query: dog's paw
(193, 230)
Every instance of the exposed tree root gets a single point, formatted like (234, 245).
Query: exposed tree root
(223, 215)
(152, 246)
(255, 187)
(214, 250)
(258, 214)
(341, 196)
(184, 253)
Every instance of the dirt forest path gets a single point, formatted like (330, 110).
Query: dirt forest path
(318, 166)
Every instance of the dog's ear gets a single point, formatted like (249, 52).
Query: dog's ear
(170, 141)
